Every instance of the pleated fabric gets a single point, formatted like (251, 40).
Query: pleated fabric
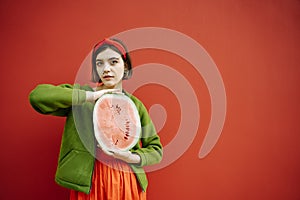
(112, 179)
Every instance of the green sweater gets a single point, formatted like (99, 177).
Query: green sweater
(77, 152)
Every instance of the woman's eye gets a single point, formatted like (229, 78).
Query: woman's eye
(114, 62)
(98, 64)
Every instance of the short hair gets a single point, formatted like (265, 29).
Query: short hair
(126, 58)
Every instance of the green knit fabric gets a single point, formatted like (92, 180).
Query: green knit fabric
(77, 152)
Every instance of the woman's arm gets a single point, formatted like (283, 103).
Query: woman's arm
(56, 100)
(151, 151)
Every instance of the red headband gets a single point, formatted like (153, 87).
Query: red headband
(114, 43)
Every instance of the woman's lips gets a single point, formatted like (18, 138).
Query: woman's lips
(108, 77)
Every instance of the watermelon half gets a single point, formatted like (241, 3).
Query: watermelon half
(116, 121)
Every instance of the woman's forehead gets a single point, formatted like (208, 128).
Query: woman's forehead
(107, 54)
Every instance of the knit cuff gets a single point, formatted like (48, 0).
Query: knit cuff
(78, 96)
(143, 160)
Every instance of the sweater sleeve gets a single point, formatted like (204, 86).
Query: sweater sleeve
(56, 100)
(151, 151)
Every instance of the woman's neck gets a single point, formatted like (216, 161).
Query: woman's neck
(103, 87)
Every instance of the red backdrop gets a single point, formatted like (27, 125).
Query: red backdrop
(255, 45)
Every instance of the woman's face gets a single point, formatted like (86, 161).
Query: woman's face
(110, 68)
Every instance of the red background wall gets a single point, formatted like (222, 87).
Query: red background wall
(255, 45)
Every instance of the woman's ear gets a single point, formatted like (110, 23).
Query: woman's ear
(126, 71)
(125, 66)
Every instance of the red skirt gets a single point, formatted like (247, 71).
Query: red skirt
(112, 179)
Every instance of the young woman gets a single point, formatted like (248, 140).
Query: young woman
(89, 171)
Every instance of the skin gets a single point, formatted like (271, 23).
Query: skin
(110, 68)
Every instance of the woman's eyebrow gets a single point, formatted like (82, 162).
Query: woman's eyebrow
(112, 58)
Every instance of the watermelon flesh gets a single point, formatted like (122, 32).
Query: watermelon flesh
(117, 123)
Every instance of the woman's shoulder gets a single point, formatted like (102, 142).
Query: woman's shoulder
(86, 87)
(132, 97)
(138, 103)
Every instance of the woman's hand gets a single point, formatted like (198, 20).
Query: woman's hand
(93, 96)
(126, 156)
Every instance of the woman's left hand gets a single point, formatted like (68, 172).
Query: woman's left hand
(126, 156)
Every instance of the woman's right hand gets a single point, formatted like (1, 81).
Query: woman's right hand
(93, 96)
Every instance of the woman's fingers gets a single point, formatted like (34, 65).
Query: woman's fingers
(112, 90)
(99, 93)
(107, 152)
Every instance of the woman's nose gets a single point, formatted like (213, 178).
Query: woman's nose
(106, 68)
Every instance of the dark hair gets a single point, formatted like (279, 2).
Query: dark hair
(126, 59)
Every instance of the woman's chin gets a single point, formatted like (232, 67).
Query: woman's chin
(109, 85)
